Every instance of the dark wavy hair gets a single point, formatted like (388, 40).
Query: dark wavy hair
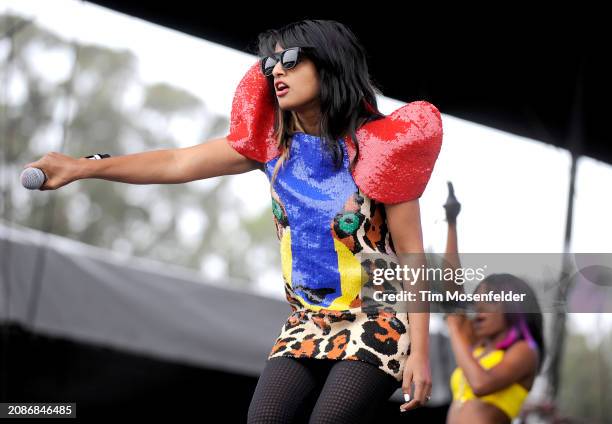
(347, 93)
(523, 318)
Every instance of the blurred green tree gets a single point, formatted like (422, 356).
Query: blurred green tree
(103, 107)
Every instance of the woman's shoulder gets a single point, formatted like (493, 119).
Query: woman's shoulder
(522, 349)
(397, 152)
(418, 112)
(251, 130)
(423, 114)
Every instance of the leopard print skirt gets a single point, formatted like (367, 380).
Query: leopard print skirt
(380, 338)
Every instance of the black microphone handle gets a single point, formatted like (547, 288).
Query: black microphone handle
(98, 156)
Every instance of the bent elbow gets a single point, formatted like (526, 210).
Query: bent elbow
(482, 389)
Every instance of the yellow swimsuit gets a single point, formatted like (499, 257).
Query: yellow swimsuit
(509, 399)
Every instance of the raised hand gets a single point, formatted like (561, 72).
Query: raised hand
(452, 205)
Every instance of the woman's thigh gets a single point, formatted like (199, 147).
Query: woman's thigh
(354, 392)
(286, 390)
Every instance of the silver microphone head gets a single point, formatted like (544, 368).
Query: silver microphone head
(33, 178)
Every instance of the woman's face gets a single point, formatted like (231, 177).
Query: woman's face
(489, 320)
(303, 82)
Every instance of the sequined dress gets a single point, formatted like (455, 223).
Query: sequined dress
(332, 224)
(327, 227)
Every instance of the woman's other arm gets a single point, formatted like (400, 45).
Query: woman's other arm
(404, 221)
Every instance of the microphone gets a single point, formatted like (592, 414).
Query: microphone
(452, 205)
(34, 178)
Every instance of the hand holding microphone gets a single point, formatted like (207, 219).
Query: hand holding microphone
(54, 170)
(452, 205)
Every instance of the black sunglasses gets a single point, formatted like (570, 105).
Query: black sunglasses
(288, 58)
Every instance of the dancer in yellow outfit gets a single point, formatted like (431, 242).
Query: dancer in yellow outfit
(509, 399)
(499, 352)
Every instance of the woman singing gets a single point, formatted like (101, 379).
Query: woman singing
(500, 352)
(345, 182)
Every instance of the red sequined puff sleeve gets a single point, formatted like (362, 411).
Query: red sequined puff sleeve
(252, 118)
(397, 153)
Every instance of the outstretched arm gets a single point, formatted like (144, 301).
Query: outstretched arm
(214, 158)
(168, 166)
(209, 159)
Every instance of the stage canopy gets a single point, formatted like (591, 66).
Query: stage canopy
(536, 75)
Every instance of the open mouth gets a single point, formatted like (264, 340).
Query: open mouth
(282, 92)
(281, 88)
